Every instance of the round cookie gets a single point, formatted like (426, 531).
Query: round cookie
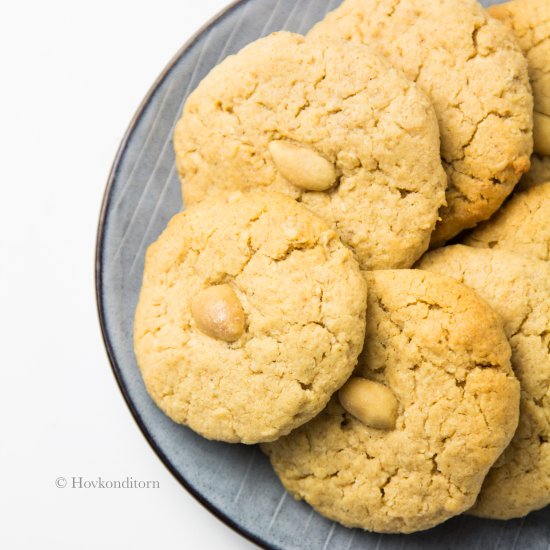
(251, 314)
(521, 226)
(473, 71)
(457, 409)
(331, 125)
(530, 22)
(538, 173)
(519, 290)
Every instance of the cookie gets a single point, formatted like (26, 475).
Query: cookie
(522, 226)
(538, 173)
(519, 290)
(472, 69)
(330, 124)
(251, 314)
(530, 22)
(431, 406)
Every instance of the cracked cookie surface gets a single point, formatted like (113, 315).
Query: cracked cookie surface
(521, 226)
(303, 298)
(529, 20)
(519, 290)
(458, 409)
(339, 101)
(473, 71)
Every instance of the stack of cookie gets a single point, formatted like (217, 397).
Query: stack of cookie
(282, 307)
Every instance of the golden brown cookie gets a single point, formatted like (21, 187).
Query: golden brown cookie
(530, 22)
(521, 226)
(519, 290)
(431, 406)
(331, 125)
(472, 69)
(251, 314)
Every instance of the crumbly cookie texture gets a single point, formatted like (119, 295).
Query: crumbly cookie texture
(521, 226)
(538, 173)
(251, 314)
(458, 403)
(473, 71)
(530, 22)
(519, 290)
(331, 125)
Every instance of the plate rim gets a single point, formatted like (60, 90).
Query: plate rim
(99, 283)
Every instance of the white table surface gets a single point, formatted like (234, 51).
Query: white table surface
(73, 74)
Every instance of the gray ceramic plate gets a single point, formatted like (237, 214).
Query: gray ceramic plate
(235, 482)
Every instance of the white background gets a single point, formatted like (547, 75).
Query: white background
(73, 74)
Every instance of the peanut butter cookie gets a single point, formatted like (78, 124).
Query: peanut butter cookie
(519, 290)
(530, 22)
(330, 124)
(472, 69)
(251, 314)
(407, 442)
